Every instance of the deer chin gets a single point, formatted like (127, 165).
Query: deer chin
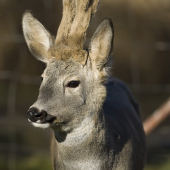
(38, 124)
(41, 125)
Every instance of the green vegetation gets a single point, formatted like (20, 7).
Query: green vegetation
(43, 162)
(34, 162)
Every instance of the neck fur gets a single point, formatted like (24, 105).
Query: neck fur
(79, 135)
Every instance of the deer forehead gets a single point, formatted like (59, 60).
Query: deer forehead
(62, 69)
(63, 53)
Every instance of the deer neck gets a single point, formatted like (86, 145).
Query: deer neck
(87, 136)
(84, 146)
(91, 126)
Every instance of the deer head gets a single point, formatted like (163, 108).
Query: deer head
(72, 88)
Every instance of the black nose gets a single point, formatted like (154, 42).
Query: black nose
(35, 114)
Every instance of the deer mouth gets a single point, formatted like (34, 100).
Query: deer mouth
(44, 122)
(40, 118)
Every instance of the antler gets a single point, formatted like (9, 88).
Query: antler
(69, 12)
(75, 21)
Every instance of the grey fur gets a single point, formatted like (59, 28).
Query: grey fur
(97, 125)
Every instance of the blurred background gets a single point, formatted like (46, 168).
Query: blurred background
(141, 59)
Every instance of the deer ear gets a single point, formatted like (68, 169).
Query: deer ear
(38, 39)
(102, 44)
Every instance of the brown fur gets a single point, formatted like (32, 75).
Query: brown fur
(64, 53)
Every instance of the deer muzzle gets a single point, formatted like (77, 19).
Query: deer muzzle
(35, 115)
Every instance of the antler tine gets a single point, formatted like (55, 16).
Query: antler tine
(85, 9)
(69, 11)
(74, 28)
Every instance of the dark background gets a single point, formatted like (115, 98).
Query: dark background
(141, 59)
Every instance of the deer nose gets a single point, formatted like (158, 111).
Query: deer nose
(34, 114)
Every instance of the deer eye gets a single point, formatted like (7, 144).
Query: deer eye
(73, 84)
(41, 78)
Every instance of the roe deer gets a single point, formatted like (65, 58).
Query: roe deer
(95, 120)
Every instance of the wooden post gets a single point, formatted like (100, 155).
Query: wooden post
(157, 117)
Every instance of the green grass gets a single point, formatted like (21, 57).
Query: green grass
(34, 162)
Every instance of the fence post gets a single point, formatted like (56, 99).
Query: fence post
(157, 117)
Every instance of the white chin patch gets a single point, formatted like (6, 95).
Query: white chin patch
(43, 125)
(40, 125)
